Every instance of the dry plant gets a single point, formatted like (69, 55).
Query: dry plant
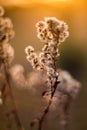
(57, 87)
(61, 88)
(6, 57)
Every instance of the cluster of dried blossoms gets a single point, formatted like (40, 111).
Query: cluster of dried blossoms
(6, 34)
(52, 32)
(6, 58)
(6, 50)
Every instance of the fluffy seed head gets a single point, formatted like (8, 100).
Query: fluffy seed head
(52, 28)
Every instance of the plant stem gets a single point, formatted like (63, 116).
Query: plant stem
(46, 110)
(14, 111)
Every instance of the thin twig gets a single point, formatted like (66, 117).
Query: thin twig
(46, 110)
(14, 111)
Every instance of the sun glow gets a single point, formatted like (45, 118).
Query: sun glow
(27, 2)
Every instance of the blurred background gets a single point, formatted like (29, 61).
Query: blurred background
(73, 52)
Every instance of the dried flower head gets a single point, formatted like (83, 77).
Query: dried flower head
(52, 29)
(6, 34)
(6, 28)
(49, 31)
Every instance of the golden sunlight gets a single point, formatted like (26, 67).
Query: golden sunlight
(27, 2)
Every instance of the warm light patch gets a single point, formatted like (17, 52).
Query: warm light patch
(27, 2)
